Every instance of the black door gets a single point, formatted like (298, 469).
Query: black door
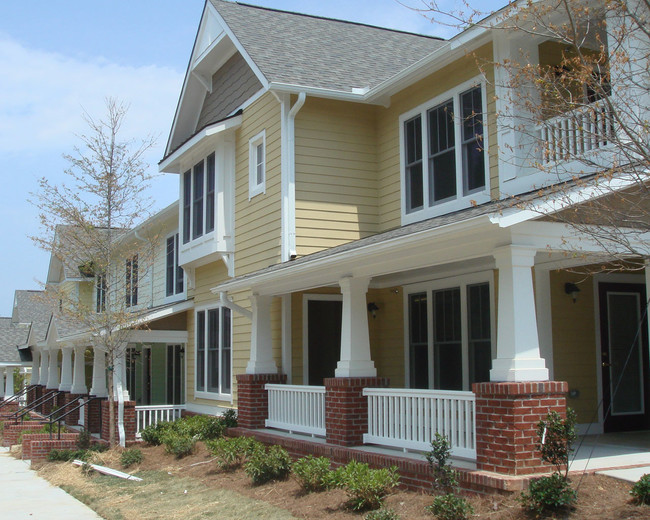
(324, 338)
(624, 356)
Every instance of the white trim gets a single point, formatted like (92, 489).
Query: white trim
(175, 296)
(287, 341)
(249, 101)
(543, 306)
(255, 187)
(461, 199)
(158, 336)
(205, 409)
(205, 394)
(305, 327)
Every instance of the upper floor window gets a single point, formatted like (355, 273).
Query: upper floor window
(132, 281)
(100, 292)
(173, 272)
(257, 165)
(213, 352)
(444, 153)
(199, 185)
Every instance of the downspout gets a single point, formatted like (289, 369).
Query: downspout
(291, 176)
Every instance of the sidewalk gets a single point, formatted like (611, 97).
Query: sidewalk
(24, 495)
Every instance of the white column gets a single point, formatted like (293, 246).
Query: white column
(66, 369)
(518, 356)
(53, 370)
(79, 375)
(119, 378)
(99, 374)
(2, 382)
(36, 365)
(261, 360)
(544, 316)
(9, 384)
(355, 341)
(44, 370)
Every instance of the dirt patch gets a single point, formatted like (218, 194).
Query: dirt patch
(193, 488)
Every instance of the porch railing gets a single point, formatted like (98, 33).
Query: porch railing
(579, 131)
(148, 415)
(408, 419)
(297, 408)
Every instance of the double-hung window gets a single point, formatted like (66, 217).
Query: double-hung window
(213, 352)
(100, 292)
(444, 154)
(131, 277)
(173, 272)
(257, 165)
(199, 193)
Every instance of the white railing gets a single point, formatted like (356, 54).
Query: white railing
(82, 413)
(297, 408)
(409, 419)
(579, 131)
(148, 415)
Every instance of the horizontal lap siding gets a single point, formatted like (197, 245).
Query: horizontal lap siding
(336, 180)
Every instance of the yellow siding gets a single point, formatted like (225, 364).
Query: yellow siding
(336, 174)
(258, 221)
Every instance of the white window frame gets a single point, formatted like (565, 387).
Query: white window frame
(217, 187)
(448, 283)
(99, 289)
(204, 394)
(131, 298)
(176, 295)
(254, 187)
(461, 200)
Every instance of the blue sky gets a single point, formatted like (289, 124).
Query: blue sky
(59, 58)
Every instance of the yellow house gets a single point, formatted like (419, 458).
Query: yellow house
(357, 265)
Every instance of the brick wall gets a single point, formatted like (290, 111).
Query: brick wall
(129, 421)
(346, 408)
(73, 418)
(46, 407)
(507, 415)
(93, 416)
(40, 448)
(252, 398)
(30, 438)
(11, 432)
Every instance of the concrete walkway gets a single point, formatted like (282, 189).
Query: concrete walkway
(24, 495)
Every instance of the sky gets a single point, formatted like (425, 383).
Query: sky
(59, 59)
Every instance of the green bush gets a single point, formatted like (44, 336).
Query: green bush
(229, 418)
(548, 495)
(641, 490)
(130, 457)
(83, 441)
(231, 453)
(153, 434)
(67, 455)
(444, 477)
(382, 514)
(312, 473)
(202, 427)
(366, 488)
(266, 465)
(450, 507)
(178, 445)
(555, 436)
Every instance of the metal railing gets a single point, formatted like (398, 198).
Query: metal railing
(16, 397)
(297, 408)
(58, 415)
(20, 414)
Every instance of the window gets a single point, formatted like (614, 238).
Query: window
(451, 130)
(257, 165)
(100, 293)
(199, 198)
(132, 281)
(213, 352)
(450, 334)
(174, 273)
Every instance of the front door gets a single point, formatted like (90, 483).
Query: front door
(624, 356)
(324, 338)
(175, 371)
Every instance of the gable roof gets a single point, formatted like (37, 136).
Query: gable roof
(32, 308)
(311, 51)
(12, 335)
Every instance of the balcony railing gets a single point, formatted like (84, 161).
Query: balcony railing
(577, 132)
(148, 415)
(297, 408)
(409, 419)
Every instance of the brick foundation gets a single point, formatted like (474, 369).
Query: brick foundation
(93, 415)
(30, 438)
(346, 409)
(46, 406)
(11, 432)
(252, 398)
(506, 418)
(129, 421)
(73, 418)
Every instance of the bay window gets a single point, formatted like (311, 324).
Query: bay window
(213, 352)
(173, 272)
(199, 189)
(131, 298)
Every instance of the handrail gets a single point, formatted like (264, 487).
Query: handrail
(40, 401)
(15, 397)
(59, 418)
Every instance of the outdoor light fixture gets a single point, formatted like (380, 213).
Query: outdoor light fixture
(572, 290)
(372, 307)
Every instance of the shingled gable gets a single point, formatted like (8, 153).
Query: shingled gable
(241, 49)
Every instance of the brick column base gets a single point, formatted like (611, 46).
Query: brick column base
(506, 419)
(93, 416)
(129, 421)
(346, 409)
(252, 398)
(72, 419)
(48, 404)
(34, 392)
(61, 399)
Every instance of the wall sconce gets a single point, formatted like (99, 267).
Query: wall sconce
(572, 290)
(372, 307)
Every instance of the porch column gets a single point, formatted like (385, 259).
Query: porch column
(518, 357)
(355, 341)
(9, 382)
(66, 369)
(79, 376)
(53, 371)
(261, 357)
(99, 374)
(2, 382)
(36, 362)
(44, 364)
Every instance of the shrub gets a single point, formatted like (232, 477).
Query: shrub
(130, 457)
(83, 441)
(382, 514)
(153, 434)
(203, 427)
(548, 495)
(179, 445)
(555, 435)
(312, 473)
(229, 418)
(444, 477)
(67, 455)
(266, 465)
(450, 507)
(232, 453)
(641, 490)
(366, 488)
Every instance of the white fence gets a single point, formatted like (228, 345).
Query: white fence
(577, 132)
(409, 419)
(82, 413)
(148, 415)
(297, 408)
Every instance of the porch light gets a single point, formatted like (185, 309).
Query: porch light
(372, 307)
(572, 290)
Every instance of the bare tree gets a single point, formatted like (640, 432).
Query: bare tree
(86, 224)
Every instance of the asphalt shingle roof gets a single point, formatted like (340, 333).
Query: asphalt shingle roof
(31, 307)
(320, 52)
(11, 336)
